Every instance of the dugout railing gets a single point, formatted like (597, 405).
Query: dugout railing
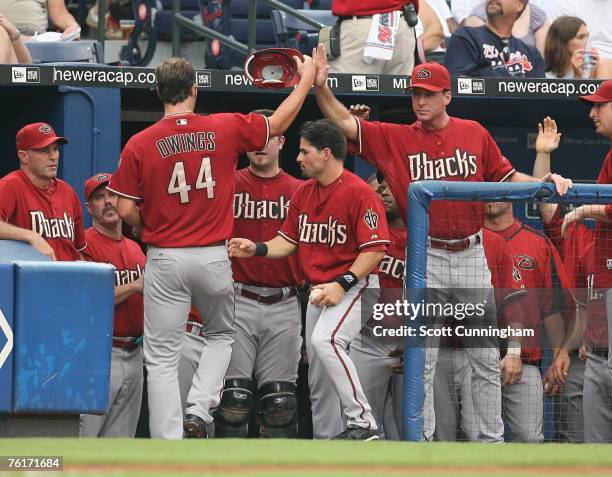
(420, 196)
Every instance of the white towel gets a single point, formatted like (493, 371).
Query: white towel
(381, 39)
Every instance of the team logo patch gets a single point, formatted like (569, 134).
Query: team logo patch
(516, 275)
(102, 178)
(525, 262)
(181, 122)
(424, 74)
(609, 263)
(371, 219)
(45, 129)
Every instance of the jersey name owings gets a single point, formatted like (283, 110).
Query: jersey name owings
(330, 233)
(462, 164)
(123, 277)
(392, 267)
(247, 208)
(52, 228)
(186, 142)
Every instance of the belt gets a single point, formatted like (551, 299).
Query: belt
(266, 299)
(350, 17)
(215, 244)
(124, 344)
(194, 328)
(601, 352)
(455, 245)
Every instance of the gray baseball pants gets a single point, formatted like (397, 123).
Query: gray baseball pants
(174, 278)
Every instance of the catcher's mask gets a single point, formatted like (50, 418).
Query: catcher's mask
(273, 68)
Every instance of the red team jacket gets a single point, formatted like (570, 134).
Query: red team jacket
(333, 224)
(543, 274)
(182, 169)
(129, 262)
(54, 213)
(260, 208)
(462, 151)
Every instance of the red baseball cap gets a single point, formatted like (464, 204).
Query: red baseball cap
(273, 68)
(37, 136)
(430, 76)
(602, 95)
(96, 181)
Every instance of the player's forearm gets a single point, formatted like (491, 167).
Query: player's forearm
(541, 165)
(337, 112)
(123, 292)
(555, 330)
(286, 113)
(12, 232)
(596, 212)
(365, 263)
(128, 211)
(279, 247)
(575, 329)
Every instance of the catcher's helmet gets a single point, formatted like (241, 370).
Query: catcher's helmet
(272, 68)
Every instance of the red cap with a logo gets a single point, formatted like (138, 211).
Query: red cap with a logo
(96, 181)
(37, 136)
(602, 95)
(430, 76)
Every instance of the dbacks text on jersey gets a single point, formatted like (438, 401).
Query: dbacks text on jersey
(52, 228)
(186, 142)
(462, 164)
(247, 208)
(123, 277)
(392, 267)
(330, 233)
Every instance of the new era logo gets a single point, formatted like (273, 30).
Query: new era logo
(203, 79)
(470, 86)
(365, 83)
(25, 74)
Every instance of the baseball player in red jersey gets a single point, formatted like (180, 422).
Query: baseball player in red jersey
(546, 301)
(35, 206)
(106, 244)
(338, 228)
(267, 316)
(438, 146)
(182, 170)
(597, 381)
(564, 380)
(374, 354)
(453, 380)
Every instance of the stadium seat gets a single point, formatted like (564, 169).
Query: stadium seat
(83, 51)
(292, 32)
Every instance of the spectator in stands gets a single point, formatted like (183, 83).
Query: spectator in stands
(443, 11)
(595, 13)
(32, 17)
(362, 49)
(12, 49)
(429, 32)
(531, 26)
(111, 23)
(491, 50)
(566, 43)
(461, 9)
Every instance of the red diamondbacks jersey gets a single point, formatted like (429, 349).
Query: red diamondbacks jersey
(543, 274)
(391, 267)
(54, 213)
(182, 168)
(333, 224)
(129, 262)
(603, 233)
(260, 208)
(461, 151)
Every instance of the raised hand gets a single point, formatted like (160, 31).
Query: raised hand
(320, 56)
(361, 111)
(548, 137)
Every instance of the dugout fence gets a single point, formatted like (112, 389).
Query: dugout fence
(421, 195)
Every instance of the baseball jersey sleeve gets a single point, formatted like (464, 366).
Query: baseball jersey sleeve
(497, 168)
(8, 201)
(125, 181)
(372, 143)
(250, 132)
(79, 232)
(290, 228)
(371, 226)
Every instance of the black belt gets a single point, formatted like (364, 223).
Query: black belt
(350, 17)
(266, 299)
(601, 352)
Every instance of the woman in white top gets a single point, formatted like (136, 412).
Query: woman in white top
(564, 51)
